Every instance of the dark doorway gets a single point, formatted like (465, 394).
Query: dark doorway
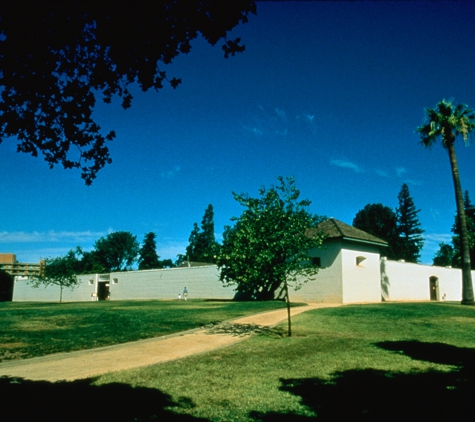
(103, 291)
(434, 288)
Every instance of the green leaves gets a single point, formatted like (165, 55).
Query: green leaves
(446, 122)
(267, 245)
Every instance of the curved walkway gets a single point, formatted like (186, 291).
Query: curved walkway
(94, 362)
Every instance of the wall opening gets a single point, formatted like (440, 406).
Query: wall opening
(360, 261)
(317, 262)
(103, 291)
(434, 288)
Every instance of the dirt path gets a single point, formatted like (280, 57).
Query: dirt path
(93, 362)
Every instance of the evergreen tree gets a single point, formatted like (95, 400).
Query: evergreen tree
(202, 245)
(192, 248)
(148, 258)
(410, 241)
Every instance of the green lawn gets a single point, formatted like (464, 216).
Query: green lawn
(396, 362)
(370, 362)
(37, 329)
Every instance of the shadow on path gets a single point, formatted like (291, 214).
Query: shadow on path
(373, 395)
(240, 330)
(80, 401)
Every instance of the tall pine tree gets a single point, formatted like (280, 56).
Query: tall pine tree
(148, 258)
(202, 245)
(410, 240)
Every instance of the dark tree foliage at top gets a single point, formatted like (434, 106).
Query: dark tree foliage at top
(408, 227)
(58, 57)
(380, 221)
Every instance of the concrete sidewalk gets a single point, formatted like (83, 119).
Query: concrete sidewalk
(94, 362)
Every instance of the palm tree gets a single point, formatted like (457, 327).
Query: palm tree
(446, 122)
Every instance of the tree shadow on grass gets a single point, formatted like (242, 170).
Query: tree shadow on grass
(243, 330)
(374, 395)
(24, 400)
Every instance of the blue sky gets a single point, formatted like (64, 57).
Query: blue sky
(327, 92)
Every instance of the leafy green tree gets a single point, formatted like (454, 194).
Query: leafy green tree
(267, 248)
(202, 246)
(408, 227)
(57, 58)
(454, 250)
(60, 271)
(117, 251)
(445, 122)
(444, 257)
(166, 263)
(148, 258)
(380, 221)
(6, 286)
(91, 262)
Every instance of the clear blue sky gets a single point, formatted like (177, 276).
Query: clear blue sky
(328, 92)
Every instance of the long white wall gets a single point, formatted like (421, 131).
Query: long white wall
(201, 282)
(23, 291)
(406, 281)
(344, 278)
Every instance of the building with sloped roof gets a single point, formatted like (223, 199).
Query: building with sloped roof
(349, 265)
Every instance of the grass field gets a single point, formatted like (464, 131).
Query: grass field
(354, 363)
(37, 329)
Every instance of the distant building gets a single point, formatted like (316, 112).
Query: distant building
(9, 264)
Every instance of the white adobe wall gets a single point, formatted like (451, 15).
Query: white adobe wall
(407, 281)
(201, 283)
(327, 285)
(361, 274)
(23, 291)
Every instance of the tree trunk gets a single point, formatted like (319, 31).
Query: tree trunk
(287, 299)
(467, 287)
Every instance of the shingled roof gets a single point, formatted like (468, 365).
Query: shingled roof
(335, 229)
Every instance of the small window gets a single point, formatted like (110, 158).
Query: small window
(115, 280)
(91, 281)
(360, 261)
(316, 261)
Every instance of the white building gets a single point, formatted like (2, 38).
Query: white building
(352, 271)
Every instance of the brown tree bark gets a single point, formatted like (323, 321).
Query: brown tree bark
(467, 286)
